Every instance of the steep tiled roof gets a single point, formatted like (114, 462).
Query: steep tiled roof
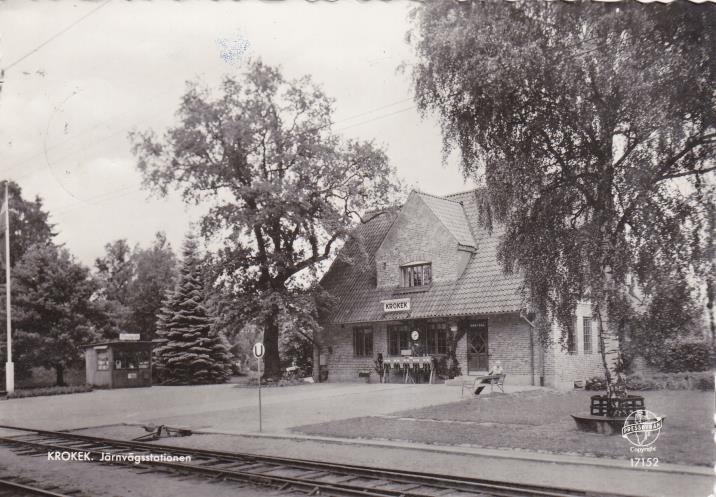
(481, 289)
(452, 215)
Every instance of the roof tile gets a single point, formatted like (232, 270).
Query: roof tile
(482, 289)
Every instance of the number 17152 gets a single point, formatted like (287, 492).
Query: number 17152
(644, 462)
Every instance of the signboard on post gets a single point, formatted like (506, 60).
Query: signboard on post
(259, 350)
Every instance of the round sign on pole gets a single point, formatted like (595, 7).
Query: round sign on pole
(259, 350)
(415, 335)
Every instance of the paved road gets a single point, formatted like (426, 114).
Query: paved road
(222, 407)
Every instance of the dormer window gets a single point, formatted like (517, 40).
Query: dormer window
(416, 274)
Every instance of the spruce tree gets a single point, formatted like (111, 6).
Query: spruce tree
(191, 351)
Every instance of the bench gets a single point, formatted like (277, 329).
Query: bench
(495, 380)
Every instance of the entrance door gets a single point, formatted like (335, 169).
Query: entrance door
(477, 350)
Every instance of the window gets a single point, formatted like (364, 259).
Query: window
(437, 338)
(416, 274)
(125, 359)
(102, 360)
(572, 337)
(143, 358)
(587, 333)
(363, 341)
(398, 338)
(433, 339)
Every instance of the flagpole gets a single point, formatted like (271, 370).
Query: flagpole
(9, 366)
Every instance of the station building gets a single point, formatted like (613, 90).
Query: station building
(431, 267)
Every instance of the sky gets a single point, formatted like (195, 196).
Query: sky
(67, 108)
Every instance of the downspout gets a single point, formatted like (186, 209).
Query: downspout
(532, 347)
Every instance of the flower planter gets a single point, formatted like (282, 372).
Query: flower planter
(607, 416)
(617, 407)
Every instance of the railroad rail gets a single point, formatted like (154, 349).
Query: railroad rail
(308, 476)
(12, 486)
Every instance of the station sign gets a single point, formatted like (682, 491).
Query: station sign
(259, 350)
(129, 337)
(396, 305)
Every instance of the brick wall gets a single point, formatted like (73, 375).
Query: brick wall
(562, 369)
(418, 235)
(508, 341)
(342, 364)
(461, 353)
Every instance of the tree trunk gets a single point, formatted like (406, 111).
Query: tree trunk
(610, 351)
(60, 375)
(272, 361)
(710, 291)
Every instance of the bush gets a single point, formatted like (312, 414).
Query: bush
(37, 392)
(595, 383)
(687, 356)
(661, 381)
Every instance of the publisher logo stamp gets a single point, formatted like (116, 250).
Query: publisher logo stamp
(642, 428)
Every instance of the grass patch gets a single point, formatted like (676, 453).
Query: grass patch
(253, 382)
(38, 392)
(540, 421)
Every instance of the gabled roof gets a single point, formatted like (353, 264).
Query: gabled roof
(452, 215)
(482, 288)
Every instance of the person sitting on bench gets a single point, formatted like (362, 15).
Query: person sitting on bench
(496, 369)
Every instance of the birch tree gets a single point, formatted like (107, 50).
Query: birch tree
(592, 126)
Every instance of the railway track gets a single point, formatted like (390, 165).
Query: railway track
(307, 476)
(13, 486)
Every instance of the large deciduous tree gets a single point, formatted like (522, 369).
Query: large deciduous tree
(592, 126)
(156, 273)
(115, 272)
(284, 189)
(133, 283)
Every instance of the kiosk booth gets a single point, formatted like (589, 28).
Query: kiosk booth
(119, 364)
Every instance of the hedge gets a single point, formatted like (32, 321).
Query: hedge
(37, 392)
(660, 381)
(687, 356)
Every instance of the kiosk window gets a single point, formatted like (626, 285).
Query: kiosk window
(143, 359)
(363, 341)
(102, 360)
(398, 339)
(125, 360)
